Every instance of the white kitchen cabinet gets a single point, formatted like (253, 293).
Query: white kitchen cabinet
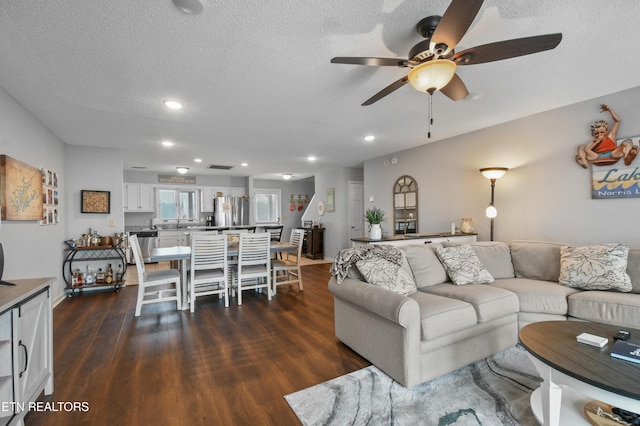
(207, 194)
(232, 191)
(171, 238)
(26, 347)
(236, 192)
(138, 197)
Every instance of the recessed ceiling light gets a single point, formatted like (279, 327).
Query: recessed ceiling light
(369, 138)
(192, 7)
(197, 160)
(311, 158)
(244, 164)
(182, 170)
(167, 143)
(171, 104)
(286, 176)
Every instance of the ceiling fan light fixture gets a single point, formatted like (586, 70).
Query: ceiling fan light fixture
(493, 172)
(432, 76)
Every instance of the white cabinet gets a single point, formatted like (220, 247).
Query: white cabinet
(236, 192)
(138, 197)
(7, 384)
(34, 364)
(208, 193)
(171, 239)
(26, 347)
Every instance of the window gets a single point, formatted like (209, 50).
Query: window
(177, 204)
(267, 205)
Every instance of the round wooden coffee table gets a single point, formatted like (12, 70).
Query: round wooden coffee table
(575, 373)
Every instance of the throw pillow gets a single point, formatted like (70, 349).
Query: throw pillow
(595, 267)
(386, 274)
(463, 266)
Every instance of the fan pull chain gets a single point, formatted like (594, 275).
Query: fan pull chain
(430, 110)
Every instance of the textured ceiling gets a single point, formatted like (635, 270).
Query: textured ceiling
(258, 86)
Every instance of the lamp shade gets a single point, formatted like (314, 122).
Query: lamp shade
(432, 75)
(493, 172)
(491, 211)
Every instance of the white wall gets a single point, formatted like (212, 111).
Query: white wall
(32, 250)
(94, 169)
(289, 219)
(545, 195)
(336, 234)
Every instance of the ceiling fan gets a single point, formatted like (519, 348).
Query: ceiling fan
(433, 61)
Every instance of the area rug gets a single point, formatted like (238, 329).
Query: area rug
(494, 391)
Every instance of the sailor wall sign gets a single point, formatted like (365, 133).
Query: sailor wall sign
(614, 171)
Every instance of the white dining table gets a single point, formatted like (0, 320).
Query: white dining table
(183, 253)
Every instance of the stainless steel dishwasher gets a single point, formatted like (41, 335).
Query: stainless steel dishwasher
(147, 239)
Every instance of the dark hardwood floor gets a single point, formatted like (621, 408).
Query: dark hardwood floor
(217, 366)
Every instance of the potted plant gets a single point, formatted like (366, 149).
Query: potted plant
(375, 217)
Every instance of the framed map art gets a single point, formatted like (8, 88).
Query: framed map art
(20, 190)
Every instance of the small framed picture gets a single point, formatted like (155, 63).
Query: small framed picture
(96, 201)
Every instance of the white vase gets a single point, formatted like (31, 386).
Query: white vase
(375, 231)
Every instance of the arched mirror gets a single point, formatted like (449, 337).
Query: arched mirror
(405, 205)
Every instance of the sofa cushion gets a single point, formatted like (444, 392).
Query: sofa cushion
(463, 266)
(537, 260)
(633, 269)
(545, 297)
(488, 301)
(609, 307)
(494, 255)
(595, 267)
(440, 316)
(425, 265)
(383, 273)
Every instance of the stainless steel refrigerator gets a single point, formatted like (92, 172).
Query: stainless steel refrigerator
(230, 211)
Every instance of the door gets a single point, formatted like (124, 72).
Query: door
(356, 209)
(34, 364)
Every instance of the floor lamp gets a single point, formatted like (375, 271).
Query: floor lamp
(492, 173)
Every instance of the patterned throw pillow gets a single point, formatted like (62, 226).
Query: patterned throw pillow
(386, 274)
(596, 267)
(463, 266)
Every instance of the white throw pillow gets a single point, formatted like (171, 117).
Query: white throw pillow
(463, 266)
(386, 274)
(595, 267)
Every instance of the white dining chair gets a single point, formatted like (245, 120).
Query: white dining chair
(209, 268)
(290, 268)
(155, 286)
(253, 270)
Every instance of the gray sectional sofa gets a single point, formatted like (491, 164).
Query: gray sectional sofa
(443, 327)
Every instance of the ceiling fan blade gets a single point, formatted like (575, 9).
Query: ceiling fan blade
(387, 90)
(454, 24)
(507, 49)
(456, 89)
(374, 62)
